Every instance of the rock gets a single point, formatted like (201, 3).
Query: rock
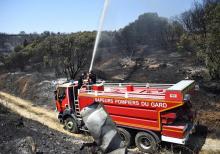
(26, 146)
(174, 55)
(127, 62)
(20, 146)
(197, 73)
(119, 77)
(169, 65)
(154, 67)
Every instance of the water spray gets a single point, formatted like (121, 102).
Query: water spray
(99, 33)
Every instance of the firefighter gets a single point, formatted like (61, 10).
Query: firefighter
(92, 78)
(81, 80)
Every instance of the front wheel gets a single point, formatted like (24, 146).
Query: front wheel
(146, 142)
(125, 136)
(71, 125)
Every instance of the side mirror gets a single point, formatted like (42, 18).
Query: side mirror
(55, 93)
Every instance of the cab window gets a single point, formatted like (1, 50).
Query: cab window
(61, 93)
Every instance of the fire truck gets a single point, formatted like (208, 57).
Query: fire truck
(144, 113)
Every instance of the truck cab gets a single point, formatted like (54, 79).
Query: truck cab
(66, 105)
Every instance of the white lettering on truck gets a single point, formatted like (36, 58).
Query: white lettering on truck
(132, 102)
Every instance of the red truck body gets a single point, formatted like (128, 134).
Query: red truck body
(161, 108)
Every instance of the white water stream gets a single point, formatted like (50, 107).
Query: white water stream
(102, 18)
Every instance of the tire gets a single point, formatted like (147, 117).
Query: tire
(71, 125)
(146, 142)
(125, 135)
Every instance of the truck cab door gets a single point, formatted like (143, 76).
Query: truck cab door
(71, 98)
(61, 98)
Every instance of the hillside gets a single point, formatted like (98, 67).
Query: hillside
(67, 55)
(8, 42)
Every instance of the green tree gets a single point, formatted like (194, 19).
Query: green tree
(16, 60)
(18, 48)
(70, 53)
(202, 24)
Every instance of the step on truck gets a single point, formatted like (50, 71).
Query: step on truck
(144, 113)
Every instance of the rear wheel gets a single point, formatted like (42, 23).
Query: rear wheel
(125, 135)
(71, 125)
(146, 142)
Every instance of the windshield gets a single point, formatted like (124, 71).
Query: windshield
(61, 93)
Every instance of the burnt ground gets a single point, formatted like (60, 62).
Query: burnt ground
(14, 129)
(207, 106)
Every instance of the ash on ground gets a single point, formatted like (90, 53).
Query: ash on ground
(20, 135)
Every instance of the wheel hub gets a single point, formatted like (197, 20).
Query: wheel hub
(145, 143)
(122, 136)
(70, 125)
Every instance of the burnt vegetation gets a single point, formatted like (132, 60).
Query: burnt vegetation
(195, 31)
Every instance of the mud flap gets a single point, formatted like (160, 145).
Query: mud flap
(102, 129)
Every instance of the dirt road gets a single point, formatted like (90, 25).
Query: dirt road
(30, 111)
(49, 118)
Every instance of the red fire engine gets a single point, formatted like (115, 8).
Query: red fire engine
(149, 113)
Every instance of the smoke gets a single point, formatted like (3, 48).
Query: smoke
(99, 33)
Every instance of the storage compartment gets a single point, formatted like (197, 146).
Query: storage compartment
(175, 131)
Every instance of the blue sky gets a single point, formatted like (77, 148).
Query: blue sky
(79, 15)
